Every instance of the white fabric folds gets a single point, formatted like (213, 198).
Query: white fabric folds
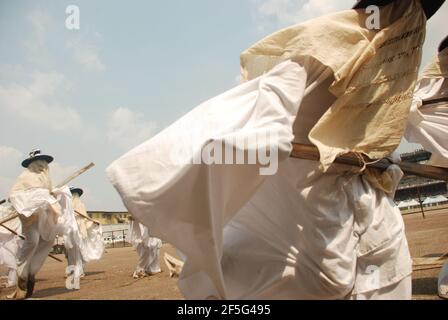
(428, 124)
(68, 228)
(9, 244)
(147, 247)
(297, 234)
(189, 204)
(36, 202)
(92, 245)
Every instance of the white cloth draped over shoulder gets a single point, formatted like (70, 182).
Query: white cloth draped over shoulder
(299, 233)
(30, 196)
(428, 124)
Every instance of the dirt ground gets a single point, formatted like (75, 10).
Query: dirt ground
(427, 238)
(111, 277)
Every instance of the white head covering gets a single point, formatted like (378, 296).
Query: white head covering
(37, 175)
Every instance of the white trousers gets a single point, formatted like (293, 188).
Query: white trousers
(33, 252)
(148, 259)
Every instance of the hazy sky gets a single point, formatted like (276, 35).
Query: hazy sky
(132, 69)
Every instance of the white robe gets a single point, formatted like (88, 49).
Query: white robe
(147, 247)
(297, 234)
(9, 244)
(428, 125)
(35, 202)
(92, 244)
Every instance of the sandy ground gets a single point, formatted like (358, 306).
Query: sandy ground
(427, 238)
(111, 277)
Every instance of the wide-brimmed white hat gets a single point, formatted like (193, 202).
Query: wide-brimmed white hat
(429, 6)
(36, 155)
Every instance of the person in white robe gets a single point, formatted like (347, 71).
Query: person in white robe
(289, 229)
(38, 210)
(148, 250)
(428, 123)
(9, 246)
(90, 233)
(44, 212)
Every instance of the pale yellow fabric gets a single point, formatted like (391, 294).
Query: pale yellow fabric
(35, 176)
(374, 74)
(83, 223)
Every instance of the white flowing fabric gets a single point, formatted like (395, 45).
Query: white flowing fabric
(9, 244)
(189, 204)
(35, 202)
(428, 124)
(68, 228)
(92, 245)
(298, 234)
(147, 247)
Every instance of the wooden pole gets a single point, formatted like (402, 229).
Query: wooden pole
(13, 232)
(53, 257)
(11, 217)
(112, 238)
(87, 217)
(420, 202)
(76, 174)
(310, 152)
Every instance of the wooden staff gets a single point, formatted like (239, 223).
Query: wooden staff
(57, 259)
(310, 152)
(11, 217)
(76, 174)
(23, 238)
(87, 217)
(13, 232)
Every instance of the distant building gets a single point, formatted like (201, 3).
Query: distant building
(109, 217)
(418, 188)
(115, 226)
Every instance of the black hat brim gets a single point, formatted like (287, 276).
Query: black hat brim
(77, 190)
(429, 6)
(27, 162)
